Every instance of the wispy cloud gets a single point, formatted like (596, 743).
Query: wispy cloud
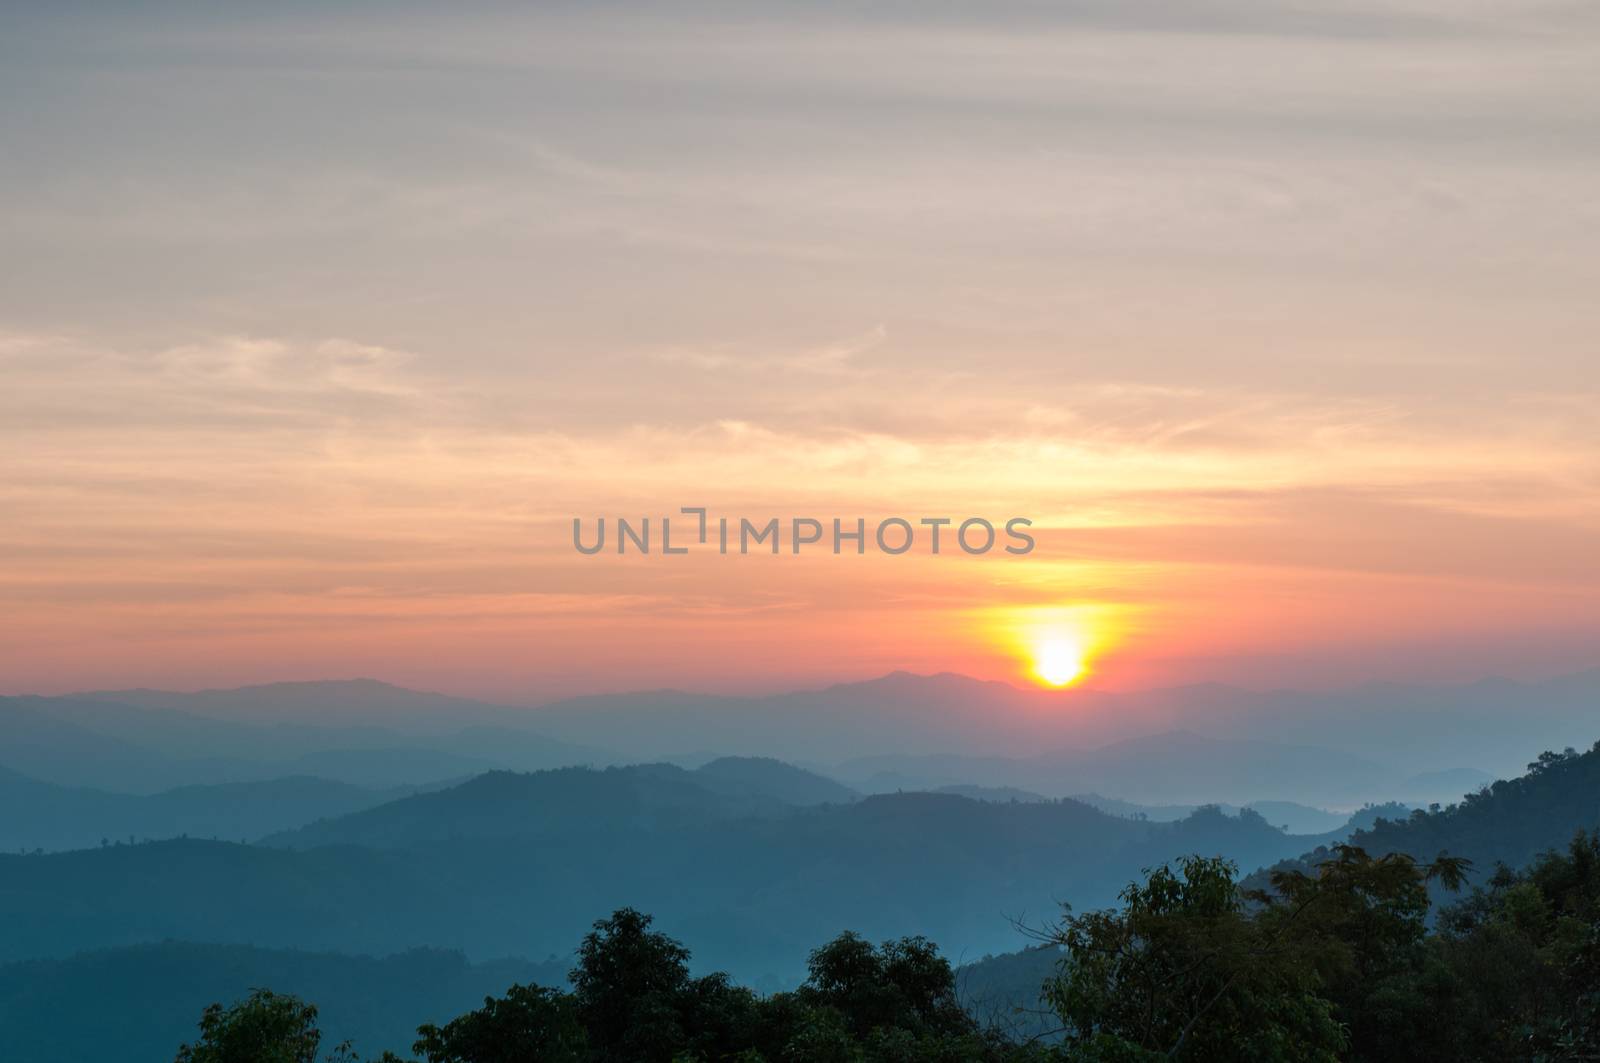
(1277, 318)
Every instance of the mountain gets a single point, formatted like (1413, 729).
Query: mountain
(1177, 767)
(56, 749)
(355, 713)
(1390, 742)
(581, 801)
(95, 741)
(1293, 817)
(522, 864)
(1509, 822)
(1360, 820)
(1005, 991)
(1300, 819)
(900, 711)
(63, 817)
(775, 779)
(103, 746)
(1490, 724)
(548, 804)
(147, 998)
(388, 766)
(997, 793)
(350, 703)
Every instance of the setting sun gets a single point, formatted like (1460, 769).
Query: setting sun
(1058, 660)
(1055, 645)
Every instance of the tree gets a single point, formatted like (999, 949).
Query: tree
(1183, 971)
(266, 1027)
(1358, 926)
(904, 985)
(1522, 954)
(633, 994)
(633, 999)
(528, 1023)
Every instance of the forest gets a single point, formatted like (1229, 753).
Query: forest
(170, 852)
(1345, 955)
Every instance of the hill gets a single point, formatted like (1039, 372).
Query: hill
(1418, 744)
(580, 801)
(1005, 991)
(497, 866)
(1509, 822)
(1293, 817)
(1175, 767)
(52, 747)
(325, 703)
(1538, 917)
(508, 806)
(1491, 724)
(996, 793)
(776, 779)
(54, 817)
(95, 741)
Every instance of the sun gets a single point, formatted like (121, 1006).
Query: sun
(1054, 645)
(1058, 659)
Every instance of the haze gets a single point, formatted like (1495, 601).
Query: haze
(316, 333)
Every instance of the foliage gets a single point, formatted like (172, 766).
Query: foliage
(1183, 970)
(1339, 964)
(265, 1028)
(529, 1022)
(1326, 960)
(1335, 965)
(1522, 955)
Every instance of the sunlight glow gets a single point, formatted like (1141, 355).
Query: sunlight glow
(1056, 645)
(1058, 659)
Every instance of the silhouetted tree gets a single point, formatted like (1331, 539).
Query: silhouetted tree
(528, 1023)
(264, 1028)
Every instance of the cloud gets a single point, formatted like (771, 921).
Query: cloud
(841, 356)
(1245, 301)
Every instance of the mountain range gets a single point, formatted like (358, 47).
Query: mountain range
(1185, 746)
(752, 862)
(1493, 725)
(509, 863)
(323, 851)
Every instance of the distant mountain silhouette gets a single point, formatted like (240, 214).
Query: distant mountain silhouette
(510, 805)
(1408, 729)
(1186, 745)
(1004, 990)
(52, 747)
(774, 778)
(1509, 822)
(898, 712)
(326, 703)
(1293, 817)
(1299, 819)
(101, 743)
(520, 863)
(44, 815)
(995, 793)
(582, 801)
(1178, 767)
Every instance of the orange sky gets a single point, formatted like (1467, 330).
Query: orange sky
(269, 513)
(314, 341)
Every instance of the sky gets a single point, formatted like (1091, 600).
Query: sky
(319, 324)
